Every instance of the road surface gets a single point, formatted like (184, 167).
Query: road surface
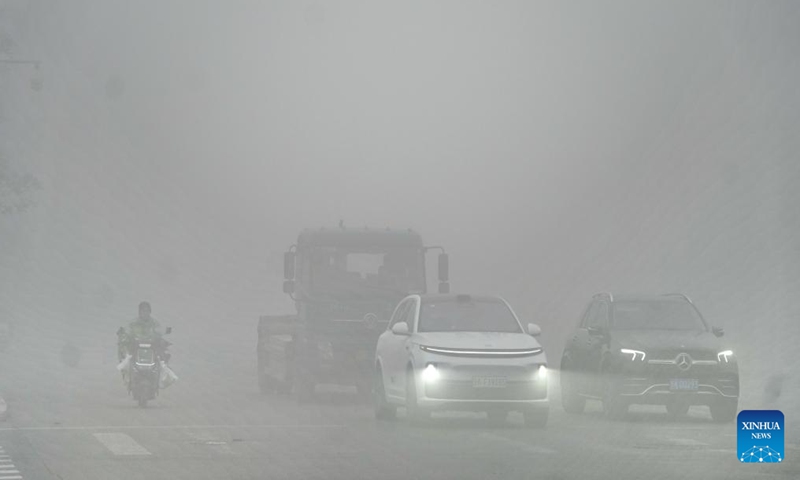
(78, 424)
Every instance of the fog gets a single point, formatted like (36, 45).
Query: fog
(555, 149)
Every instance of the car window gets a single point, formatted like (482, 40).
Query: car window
(399, 314)
(589, 315)
(601, 315)
(657, 315)
(411, 313)
(451, 315)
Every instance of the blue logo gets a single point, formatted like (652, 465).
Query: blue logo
(760, 436)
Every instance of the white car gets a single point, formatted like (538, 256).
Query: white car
(460, 353)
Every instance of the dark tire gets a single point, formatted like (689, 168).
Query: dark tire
(497, 417)
(383, 409)
(304, 389)
(614, 406)
(536, 418)
(678, 408)
(724, 412)
(571, 400)
(266, 384)
(414, 413)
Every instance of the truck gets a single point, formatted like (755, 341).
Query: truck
(345, 284)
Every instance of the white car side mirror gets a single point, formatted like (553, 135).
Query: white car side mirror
(534, 330)
(400, 328)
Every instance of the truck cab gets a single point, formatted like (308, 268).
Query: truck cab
(345, 284)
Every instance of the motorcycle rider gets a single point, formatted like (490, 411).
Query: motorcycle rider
(143, 326)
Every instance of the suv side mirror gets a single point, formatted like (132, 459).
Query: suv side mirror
(288, 266)
(717, 331)
(444, 267)
(288, 286)
(169, 330)
(400, 328)
(534, 330)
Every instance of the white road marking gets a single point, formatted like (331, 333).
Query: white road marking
(120, 444)
(207, 439)
(168, 427)
(8, 471)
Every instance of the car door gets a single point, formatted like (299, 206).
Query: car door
(392, 353)
(576, 351)
(597, 346)
(404, 347)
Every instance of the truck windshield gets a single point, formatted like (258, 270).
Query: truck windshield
(472, 316)
(338, 271)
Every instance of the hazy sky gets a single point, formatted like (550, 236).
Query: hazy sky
(555, 148)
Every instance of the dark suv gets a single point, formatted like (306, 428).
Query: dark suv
(648, 349)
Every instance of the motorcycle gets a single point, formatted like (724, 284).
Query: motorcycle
(145, 369)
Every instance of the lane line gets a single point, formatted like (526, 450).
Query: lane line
(120, 444)
(167, 427)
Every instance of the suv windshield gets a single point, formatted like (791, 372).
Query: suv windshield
(451, 315)
(656, 315)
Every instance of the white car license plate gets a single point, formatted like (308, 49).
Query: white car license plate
(683, 384)
(489, 382)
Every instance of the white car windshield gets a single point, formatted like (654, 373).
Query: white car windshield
(452, 315)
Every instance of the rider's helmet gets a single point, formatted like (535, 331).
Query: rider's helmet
(144, 310)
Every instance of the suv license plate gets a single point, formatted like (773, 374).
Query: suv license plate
(489, 382)
(683, 384)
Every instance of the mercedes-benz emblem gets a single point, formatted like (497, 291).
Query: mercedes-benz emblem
(684, 361)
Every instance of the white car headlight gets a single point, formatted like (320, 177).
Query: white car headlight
(633, 353)
(723, 356)
(541, 373)
(430, 374)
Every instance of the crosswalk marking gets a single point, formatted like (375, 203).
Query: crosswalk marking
(120, 444)
(8, 471)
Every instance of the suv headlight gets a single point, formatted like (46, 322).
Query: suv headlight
(724, 356)
(634, 354)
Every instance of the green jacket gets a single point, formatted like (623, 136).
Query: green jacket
(139, 328)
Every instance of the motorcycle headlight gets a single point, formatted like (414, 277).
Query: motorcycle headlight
(724, 356)
(634, 354)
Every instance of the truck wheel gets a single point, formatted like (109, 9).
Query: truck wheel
(266, 384)
(304, 387)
